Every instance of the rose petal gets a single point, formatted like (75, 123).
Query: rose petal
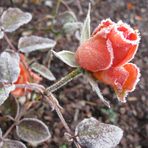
(133, 78)
(105, 24)
(95, 54)
(115, 77)
(125, 42)
(122, 79)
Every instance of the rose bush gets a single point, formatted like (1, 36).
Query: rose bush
(106, 55)
(25, 76)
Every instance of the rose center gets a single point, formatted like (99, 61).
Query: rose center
(128, 34)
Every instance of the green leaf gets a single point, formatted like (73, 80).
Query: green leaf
(32, 43)
(85, 34)
(43, 71)
(67, 57)
(4, 92)
(33, 131)
(13, 18)
(93, 134)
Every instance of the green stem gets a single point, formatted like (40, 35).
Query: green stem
(75, 73)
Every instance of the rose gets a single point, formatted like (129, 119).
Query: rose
(25, 76)
(106, 54)
(111, 44)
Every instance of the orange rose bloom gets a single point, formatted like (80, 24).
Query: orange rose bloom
(106, 54)
(26, 76)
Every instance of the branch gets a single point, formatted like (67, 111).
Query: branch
(9, 42)
(53, 102)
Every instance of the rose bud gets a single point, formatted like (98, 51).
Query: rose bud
(111, 44)
(25, 76)
(123, 79)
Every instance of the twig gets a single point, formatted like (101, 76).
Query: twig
(9, 42)
(16, 121)
(79, 6)
(66, 5)
(32, 86)
(11, 1)
(51, 98)
(57, 7)
(9, 130)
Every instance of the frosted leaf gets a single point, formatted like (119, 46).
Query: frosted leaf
(68, 16)
(33, 131)
(10, 107)
(13, 18)
(0, 133)
(5, 91)
(72, 27)
(85, 34)
(93, 134)
(7, 143)
(9, 67)
(33, 43)
(67, 57)
(1, 10)
(43, 71)
(1, 34)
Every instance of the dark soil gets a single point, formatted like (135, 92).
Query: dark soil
(77, 98)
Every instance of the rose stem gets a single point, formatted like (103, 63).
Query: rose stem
(64, 80)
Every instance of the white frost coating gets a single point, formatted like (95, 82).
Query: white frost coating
(32, 43)
(9, 67)
(13, 18)
(133, 42)
(1, 34)
(106, 30)
(110, 49)
(93, 134)
(4, 93)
